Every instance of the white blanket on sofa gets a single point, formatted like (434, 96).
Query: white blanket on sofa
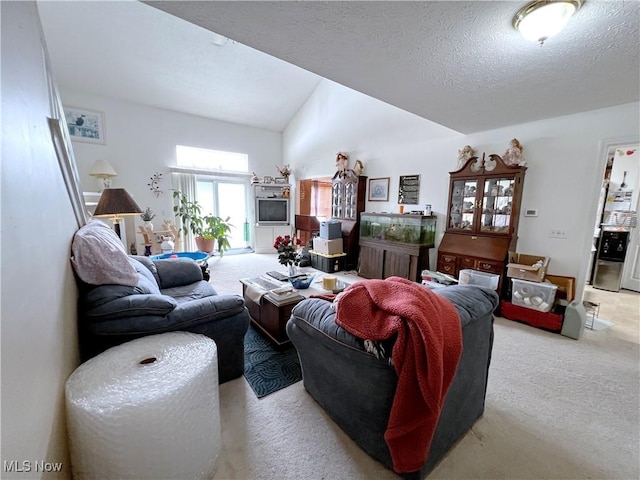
(99, 258)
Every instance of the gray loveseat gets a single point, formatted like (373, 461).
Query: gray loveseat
(170, 295)
(356, 389)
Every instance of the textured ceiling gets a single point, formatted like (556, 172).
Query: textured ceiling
(128, 50)
(460, 64)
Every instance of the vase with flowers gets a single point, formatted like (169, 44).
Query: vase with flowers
(284, 172)
(147, 216)
(287, 248)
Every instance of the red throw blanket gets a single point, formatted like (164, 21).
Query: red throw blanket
(425, 356)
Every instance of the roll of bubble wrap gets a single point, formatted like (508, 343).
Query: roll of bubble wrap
(146, 409)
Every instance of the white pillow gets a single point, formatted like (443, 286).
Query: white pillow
(99, 258)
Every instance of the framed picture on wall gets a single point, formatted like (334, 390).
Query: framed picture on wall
(409, 189)
(379, 189)
(85, 125)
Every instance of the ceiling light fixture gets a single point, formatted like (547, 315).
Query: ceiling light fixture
(542, 19)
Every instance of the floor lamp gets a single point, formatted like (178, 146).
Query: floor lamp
(116, 203)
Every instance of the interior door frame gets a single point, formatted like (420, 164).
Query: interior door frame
(604, 145)
(632, 259)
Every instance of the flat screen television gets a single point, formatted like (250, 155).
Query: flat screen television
(272, 211)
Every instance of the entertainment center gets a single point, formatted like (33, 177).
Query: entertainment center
(272, 208)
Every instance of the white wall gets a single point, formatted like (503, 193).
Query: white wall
(389, 141)
(563, 154)
(141, 140)
(39, 336)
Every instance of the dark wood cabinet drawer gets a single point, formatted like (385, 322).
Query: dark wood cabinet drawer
(445, 258)
(448, 268)
(488, 266)
(467, 262)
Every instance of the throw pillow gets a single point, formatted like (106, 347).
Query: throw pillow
(99, 258)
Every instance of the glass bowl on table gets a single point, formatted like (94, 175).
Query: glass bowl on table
(301, 281)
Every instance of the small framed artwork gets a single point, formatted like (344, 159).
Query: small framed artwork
(379, 189)
(280, 180)
(85, 125)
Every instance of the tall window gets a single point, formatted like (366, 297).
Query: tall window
(321, 199)
(315, 197)
(212, 159)
(221, 186)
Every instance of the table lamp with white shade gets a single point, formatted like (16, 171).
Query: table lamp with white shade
(103, 171)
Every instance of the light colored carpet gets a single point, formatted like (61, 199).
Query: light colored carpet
(599, 324)
(556, 408)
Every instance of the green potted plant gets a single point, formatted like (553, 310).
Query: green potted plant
(147, 216)
(207, 229)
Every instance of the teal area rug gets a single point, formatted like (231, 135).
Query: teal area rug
(268, 369)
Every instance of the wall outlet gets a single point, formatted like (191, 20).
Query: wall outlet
(558, 233)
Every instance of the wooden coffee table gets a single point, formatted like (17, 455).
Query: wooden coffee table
(269, 316)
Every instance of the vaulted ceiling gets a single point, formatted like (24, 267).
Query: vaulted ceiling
(460, 64)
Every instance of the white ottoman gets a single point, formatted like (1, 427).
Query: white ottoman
(146, 409)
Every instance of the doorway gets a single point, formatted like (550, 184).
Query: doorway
(616, 216)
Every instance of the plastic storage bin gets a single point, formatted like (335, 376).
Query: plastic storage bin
(328, 263)
(481, 279)
(533, 295)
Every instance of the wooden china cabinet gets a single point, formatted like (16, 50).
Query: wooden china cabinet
(348, 195)
(482, 216)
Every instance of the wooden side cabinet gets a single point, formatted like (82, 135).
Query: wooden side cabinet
(482, 217)
(348, 194)
(395, 245)
(382, 261)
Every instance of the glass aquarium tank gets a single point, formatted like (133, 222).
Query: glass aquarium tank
(398, 228)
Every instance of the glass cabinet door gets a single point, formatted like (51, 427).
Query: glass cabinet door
(336, 200)
(497, 201)
(463, 204)
(350, 200)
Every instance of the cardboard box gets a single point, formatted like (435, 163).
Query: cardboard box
(566, 287)
(330, 230)
(526, 267)
(328, 247)
(328, 263)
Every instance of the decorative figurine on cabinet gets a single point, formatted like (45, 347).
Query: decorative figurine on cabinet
(342, 164)
(513, 155)
(465, 154)
(358, 167)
